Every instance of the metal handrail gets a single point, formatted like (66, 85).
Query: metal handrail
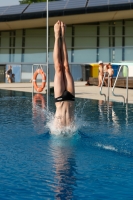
(126, 84)
(102, 85)
(108, 86)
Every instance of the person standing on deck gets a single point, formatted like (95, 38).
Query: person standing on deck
(111, 73)
(9, 74)
(100, 73)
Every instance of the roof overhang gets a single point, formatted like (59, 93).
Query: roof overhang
(68, 19)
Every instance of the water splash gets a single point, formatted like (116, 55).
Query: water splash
(46, 118)
(70, 130)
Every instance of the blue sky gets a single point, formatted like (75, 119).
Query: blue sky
(8, 2)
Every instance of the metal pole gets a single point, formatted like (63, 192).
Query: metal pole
(115, 84)
(127, 85)
(102, 87)
(108, 86)
(32, 81)
(47, 59)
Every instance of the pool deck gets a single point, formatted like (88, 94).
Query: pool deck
(81, 91)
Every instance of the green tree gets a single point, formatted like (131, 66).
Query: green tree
(32, 1)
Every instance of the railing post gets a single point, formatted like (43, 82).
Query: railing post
(102, 87)
(127, 85)
(108, 86)
(32, 80)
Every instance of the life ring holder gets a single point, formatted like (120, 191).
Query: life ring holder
(41, 72)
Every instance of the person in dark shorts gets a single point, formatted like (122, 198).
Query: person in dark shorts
(64, 90)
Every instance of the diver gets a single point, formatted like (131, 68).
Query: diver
(64, 91)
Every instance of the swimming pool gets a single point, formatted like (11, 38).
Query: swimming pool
(96, 162)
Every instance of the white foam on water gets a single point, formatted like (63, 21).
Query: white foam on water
(64, 130)
(112, 148)
(107, 147)
(68, 131)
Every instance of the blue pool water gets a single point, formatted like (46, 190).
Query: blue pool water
(95, 161)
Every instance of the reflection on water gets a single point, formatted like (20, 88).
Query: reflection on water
(107, 112)
(38, 114)
(127, 114)
(113, 112)
(64, 167)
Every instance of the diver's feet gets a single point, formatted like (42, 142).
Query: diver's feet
(63, 29)
(57, 29)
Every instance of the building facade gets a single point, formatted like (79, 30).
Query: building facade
(93, 33)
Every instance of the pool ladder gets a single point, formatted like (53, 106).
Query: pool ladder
(115, 85)
(108, 86)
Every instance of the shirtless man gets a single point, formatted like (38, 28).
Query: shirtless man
(64, 90)
(105, 71)
(100, 76)
(111, 72)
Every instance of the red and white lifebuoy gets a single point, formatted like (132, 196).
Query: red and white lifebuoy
(41, 72)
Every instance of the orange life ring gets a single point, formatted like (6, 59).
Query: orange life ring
(41, 72)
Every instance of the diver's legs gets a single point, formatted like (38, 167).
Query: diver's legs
(68, 79)
(59, 86)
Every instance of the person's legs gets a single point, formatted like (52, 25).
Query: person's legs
(8, 78)
(106, 81)
(59, 86)
(110, 81)
(68, 79)
(99, 80)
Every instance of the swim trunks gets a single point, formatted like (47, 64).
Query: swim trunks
(66, 96)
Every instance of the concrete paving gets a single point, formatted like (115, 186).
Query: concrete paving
(81, 91)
